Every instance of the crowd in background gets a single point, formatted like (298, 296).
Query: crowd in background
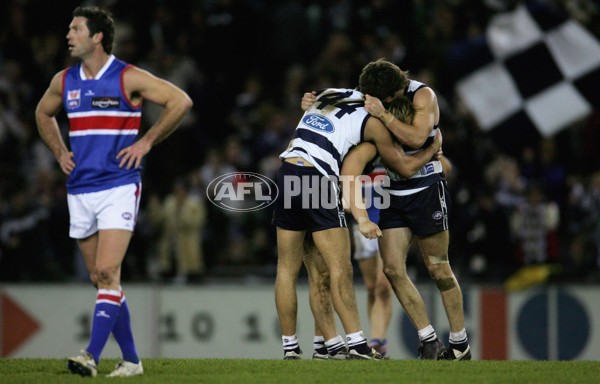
(246, 64)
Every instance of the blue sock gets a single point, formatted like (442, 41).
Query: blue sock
(106, 312)
(123, 335)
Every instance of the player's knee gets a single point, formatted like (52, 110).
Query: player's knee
(105, 275)
(338, 274)
(323, 282)
(439, 267)
(371, 287)
(442, 275)
(392, 273)
(287, 272)
(383, 291)
(371, 295)
(446, 283)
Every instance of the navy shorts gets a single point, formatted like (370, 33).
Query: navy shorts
(307, 200)
(425, 212)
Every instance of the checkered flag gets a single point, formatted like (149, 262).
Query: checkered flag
(535, 73)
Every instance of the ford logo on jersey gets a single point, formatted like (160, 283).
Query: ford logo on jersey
(318, 123)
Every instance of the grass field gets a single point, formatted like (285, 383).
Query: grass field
(241, 371)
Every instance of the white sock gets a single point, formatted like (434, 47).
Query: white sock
(289, 342)
(335, 344)
(356, 338)
(427, 334)
(458, 337)
(318, 342)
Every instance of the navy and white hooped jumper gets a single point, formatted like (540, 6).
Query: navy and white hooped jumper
(429, 174)
(328, 129)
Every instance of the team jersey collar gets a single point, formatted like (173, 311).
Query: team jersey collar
(111, 58)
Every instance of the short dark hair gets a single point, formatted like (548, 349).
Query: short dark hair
(382, 79)
(98, 20)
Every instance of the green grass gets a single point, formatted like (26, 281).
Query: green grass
(241, 371)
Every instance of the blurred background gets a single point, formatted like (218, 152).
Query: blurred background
(525, 190)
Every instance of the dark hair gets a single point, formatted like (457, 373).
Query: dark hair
(382, 79)
(98, 20)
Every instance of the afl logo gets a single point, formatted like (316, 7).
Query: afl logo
(318, 123)
(437, 215)
(127, 215)
(73, 98)
(242, 191)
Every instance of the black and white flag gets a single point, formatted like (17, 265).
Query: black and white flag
(536, 73)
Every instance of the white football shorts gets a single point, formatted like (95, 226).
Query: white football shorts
(363, 248)
(115, 208)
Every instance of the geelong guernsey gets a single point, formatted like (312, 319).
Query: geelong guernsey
(328, 129)
(102, 121)
(426, 176)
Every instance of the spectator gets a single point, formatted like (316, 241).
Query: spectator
(488, 240)
(182, 218)
(534, 224)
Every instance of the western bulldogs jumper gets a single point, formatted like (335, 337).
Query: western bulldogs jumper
(102, 121)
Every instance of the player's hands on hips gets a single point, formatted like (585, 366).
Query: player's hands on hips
(133, 155)
(369, 229)
(66, 162)
(308, 100)
(374, 106)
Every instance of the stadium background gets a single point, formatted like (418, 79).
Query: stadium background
(246, 65)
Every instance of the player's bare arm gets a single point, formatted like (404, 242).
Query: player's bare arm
(353, 166)
(142, 85)
(393, 155)
(447, 165)
(45, 117)
(426, 116)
